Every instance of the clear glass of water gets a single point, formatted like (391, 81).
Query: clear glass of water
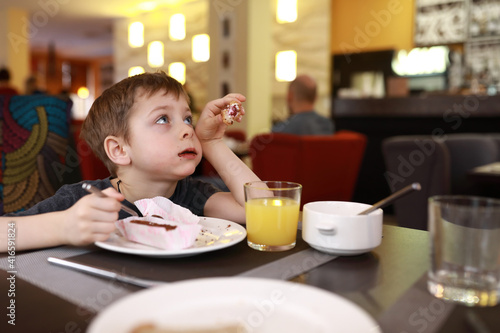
(465, 249)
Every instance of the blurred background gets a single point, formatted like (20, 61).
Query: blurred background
(383, 67)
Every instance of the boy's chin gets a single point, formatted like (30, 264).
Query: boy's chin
(186, 170)
(187, 173)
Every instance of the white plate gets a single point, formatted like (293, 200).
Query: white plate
(258, 305)
(216, 234)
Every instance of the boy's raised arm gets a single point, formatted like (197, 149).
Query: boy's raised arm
(233, 171)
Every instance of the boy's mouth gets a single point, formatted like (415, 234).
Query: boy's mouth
(190, 152)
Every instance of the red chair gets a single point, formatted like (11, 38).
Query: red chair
(91, 167)
(327, 166)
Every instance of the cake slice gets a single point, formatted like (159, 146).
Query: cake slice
(165, 225)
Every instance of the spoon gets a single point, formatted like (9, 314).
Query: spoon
(396, 195)
(92, 189)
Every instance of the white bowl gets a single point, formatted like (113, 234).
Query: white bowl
(335, 228)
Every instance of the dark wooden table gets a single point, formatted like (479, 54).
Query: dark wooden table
(389, 283)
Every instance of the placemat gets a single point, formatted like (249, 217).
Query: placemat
(416, 311)
(231, 261)
(86, 291)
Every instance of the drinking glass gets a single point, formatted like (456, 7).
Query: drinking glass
(465, 249)
(272, 214)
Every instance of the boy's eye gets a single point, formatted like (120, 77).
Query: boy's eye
(162, 120)
(189, 120)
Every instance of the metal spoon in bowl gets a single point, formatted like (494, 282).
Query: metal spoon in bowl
(396, 195)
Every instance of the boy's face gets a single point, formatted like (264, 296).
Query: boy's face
(162, 142)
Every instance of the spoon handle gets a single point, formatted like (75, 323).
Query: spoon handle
(92, 189)
(396, 195)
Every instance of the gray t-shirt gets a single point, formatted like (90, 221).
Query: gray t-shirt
(189, 193)
(305, 123)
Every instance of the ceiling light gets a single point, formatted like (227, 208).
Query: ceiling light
(177, 27)
(136, 34)
(286, 65)
(201, 48)
(83, 92)
(136, 70)
(177, 70)
(286, 11)
(155, 54)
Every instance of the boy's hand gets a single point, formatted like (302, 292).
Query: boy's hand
(210, 125)
(91, 218)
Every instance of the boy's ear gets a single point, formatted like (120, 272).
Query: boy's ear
(116, 151)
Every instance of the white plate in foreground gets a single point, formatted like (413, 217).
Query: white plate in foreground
(216, 234)
(254, 304)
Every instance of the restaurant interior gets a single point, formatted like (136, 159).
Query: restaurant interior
(412, 86)
(379, 70)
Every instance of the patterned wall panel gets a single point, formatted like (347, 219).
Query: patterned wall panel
(34, 146)
(440, 22)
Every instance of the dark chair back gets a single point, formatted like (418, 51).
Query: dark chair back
(467, 151)
(410, 159)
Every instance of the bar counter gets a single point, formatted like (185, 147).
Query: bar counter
(435, 106)
(435, 115)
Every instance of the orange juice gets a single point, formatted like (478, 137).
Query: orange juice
(272, 221)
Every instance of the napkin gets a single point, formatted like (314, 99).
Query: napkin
(160, 211)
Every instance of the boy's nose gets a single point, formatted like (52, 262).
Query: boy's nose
(187, 132)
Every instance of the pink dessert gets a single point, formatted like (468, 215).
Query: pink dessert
(165, 225)
(232, 112)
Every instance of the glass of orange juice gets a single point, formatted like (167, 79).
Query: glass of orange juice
(272, 214)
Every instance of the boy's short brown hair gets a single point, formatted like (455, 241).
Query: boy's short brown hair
(110, 112)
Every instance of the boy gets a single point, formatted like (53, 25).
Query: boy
(141, 128)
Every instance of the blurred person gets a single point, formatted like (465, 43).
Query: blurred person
(5, 87)
(31, 86)
(303, 120)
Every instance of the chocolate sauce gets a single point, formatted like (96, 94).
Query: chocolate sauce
(152, 224)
